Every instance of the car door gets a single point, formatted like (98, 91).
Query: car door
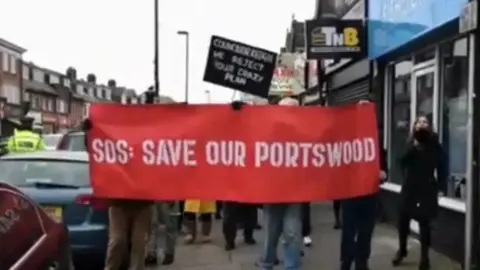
(29, 238)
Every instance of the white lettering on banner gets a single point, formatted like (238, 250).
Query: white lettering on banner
(169, 152)
(233, 153)
(225, 153)
(305, 155)
(111, 152)
(246, 51)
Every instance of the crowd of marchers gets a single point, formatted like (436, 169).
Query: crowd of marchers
(132, 222)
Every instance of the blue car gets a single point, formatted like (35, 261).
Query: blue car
(59, 182)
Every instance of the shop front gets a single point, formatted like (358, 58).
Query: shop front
(425, 67)
(63, 123)
(49, 122)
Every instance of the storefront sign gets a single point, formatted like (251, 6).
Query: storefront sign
(240, 66)
(394, 23)
(282, 81)
(468, 17)
(50, 118)
(335, 38)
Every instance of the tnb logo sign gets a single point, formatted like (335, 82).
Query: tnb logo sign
(335, 38)
(330, 36)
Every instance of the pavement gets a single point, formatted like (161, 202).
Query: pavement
(323, 255)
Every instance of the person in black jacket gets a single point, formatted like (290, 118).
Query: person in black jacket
(358, 217)
(419, 195)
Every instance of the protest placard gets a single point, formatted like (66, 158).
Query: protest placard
(240, 66)
(211, 152)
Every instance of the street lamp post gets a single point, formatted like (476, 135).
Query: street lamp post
(187, 60)
(156, 52)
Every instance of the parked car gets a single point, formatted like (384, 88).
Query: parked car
(52, 140)
(59, 182)
(30, 238)
(72, 141)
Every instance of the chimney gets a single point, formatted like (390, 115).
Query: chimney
(91, 78)
(112, 83)
(72, 73)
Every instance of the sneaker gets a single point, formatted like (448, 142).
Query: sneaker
(168, 259)
(250, 241)
(189, 239)
(307, 241)
(229, 246)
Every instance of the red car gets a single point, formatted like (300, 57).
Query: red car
(29, 238)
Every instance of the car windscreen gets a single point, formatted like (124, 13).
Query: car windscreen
(31, 172)
(74, 142)
(51, 140)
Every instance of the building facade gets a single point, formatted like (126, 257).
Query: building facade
(421, 65)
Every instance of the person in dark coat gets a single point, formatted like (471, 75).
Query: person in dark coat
(359, 216)
(234, 214)
(419, 195)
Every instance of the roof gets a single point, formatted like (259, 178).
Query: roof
(39, 87)
(12, 46)
(49, 155)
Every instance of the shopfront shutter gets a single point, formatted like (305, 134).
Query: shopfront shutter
(349, 94)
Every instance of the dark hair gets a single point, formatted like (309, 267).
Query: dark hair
(412, 130)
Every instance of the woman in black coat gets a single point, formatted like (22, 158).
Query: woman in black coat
(419, 195)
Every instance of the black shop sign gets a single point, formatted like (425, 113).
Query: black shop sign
(330, 38)
(240, 66)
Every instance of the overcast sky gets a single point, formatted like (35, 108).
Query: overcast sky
(114, 38)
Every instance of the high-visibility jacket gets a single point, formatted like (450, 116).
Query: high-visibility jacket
(25, 141)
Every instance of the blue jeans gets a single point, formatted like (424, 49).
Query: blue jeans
(283, 219)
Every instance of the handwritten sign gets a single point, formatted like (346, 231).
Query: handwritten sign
(240, 66)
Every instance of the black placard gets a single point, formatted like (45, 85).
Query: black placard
(335, 38)
(240, 66)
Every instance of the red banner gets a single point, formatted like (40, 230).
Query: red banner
(212, 152)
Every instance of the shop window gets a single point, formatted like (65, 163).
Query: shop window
(424, 89)
(454, 113)
(400, 115)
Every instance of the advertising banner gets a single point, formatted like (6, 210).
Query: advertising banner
(335, 38)
(259, 154)
(240, 66)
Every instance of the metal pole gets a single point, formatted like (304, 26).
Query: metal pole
(187, 66)
(156, 52)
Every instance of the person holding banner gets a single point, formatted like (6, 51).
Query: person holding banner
(126, 218)
(359, 216)
(235, 213)
(282, 220)
(205, 211)
(419, 195)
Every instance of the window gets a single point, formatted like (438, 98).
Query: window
(61, 106)
(86, 108)
(5, 57)
(454, 113)
(91, 91)
(54, 79)
(36, 103)
(67, 82)
(30, 172)
(12, 94)
(108, 94)
(44, 104)
(49, 104)
(79, 89)
(99, 92)
(26, 72)
(26, 96)
(13, 64)
(38, 75)
(400, 115)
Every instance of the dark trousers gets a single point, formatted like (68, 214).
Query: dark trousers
(404, 231)
(336, 210)
(358, 217)
(235, 213)
(306, 220)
